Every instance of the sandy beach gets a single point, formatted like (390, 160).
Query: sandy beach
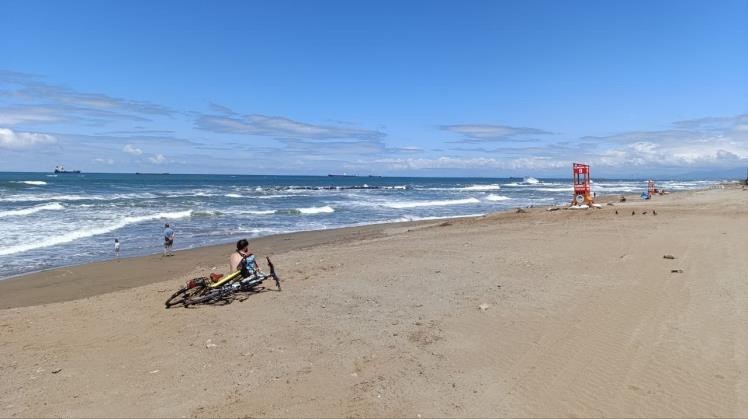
(535, 314)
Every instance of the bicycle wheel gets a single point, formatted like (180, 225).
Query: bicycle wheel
(207, 297)
(176, 298)
(194, 288)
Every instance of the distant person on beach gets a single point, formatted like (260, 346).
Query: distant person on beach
(168, 240)
(116, 247)
(242, 259)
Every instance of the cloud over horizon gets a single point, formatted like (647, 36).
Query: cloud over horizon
(143, 133)
(477, 133)
(15, 140)
(230, 122)
(28, 99)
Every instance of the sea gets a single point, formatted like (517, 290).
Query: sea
(53, 220)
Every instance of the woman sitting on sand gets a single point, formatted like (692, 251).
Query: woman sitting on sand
(242, 259)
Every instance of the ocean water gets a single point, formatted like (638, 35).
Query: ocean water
(49, 220)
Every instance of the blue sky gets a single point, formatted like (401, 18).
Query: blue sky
(492, 88)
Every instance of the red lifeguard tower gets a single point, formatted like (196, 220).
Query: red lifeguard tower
(651, 188)
(581, 180)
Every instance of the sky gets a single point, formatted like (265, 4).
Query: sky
(414, 88)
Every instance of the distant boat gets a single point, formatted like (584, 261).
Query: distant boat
(61, 169)
(343, 175)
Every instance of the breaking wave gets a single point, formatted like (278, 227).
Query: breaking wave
(496, 198)
(493, 187)
(30, 182)
(90, 232)
(316, 210)
(33, 210)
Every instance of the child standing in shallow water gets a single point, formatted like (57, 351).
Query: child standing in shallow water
(116, 247)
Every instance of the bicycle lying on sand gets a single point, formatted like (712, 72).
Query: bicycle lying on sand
(204, 291)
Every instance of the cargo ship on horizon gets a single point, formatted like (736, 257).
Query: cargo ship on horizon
(61, 169)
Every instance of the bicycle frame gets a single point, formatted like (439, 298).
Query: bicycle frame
(225, 279)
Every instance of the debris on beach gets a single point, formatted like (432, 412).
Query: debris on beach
(623, 199)
(209, 344)
(654, 212)
(56, 370)
(668, 257)
(676, 271)
(633, 212)
(616, 212)
(483, 307)
(644, 213)
(553, 209)
(610, 204)
(153, 372)
(520, 211)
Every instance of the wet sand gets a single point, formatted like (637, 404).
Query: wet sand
(537, 314)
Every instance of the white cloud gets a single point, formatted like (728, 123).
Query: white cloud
(278, 126)
(492, 132)
(27, 114)
(35, 101)
(13, 140)
(131, 149)
(472, 163)
(706, 142)
(157, 159)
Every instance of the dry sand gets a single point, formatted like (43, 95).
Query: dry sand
(581, 317)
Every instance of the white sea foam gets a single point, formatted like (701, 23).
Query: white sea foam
(233, 195)
(52, 206)
(90, 232)
(528, 181)
(276, 196)
(41, 198)
(258, 212)
(208, 213)
(493, 197)
(316, 210)
(418, 204)
(493, 187)
(38, 198)
(30, 182)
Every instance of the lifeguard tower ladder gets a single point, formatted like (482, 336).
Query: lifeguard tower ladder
(651, 188)
(581, 180)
